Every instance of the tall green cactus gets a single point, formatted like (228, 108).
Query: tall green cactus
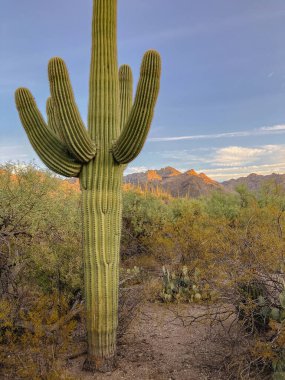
(117, 130)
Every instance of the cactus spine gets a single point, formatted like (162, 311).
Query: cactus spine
(117, 130)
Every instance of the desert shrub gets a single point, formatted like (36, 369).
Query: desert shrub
(144, 215)
(183, 238)
(39, 230)
(40, 271)
(223, 205)
(247, 198)
(34, 338)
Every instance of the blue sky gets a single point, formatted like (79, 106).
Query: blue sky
(221, 108)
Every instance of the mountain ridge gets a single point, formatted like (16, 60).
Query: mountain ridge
(194, 184)
(175, 182)
(255, 181)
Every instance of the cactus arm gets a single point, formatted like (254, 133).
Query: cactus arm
(75, 134)
(53, 123)
(134, 134)
(126, 93)
(51, 151)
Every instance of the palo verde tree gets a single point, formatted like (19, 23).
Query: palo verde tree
(117, 130)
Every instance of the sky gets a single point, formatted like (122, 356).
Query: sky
(221, 108)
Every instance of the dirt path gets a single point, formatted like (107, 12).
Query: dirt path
(155, 347)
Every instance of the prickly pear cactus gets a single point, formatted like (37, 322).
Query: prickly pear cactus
(117, 130)
(183, 286)
(278, 313)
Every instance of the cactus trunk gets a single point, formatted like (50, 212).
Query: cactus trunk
(101, 236)
(117, 130)
(101, 213)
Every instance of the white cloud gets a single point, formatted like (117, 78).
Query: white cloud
(135, 169)
(237, 155)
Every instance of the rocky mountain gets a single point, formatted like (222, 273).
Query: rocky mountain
(254, 181)
(171, 180)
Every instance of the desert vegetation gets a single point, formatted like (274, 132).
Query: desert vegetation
(214, 265)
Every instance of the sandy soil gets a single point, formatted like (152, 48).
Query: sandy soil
(156, 346)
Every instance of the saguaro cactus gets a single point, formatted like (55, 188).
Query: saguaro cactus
(117, 130)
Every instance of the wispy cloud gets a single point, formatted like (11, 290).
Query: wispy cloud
(268, 130)
(280, 127)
